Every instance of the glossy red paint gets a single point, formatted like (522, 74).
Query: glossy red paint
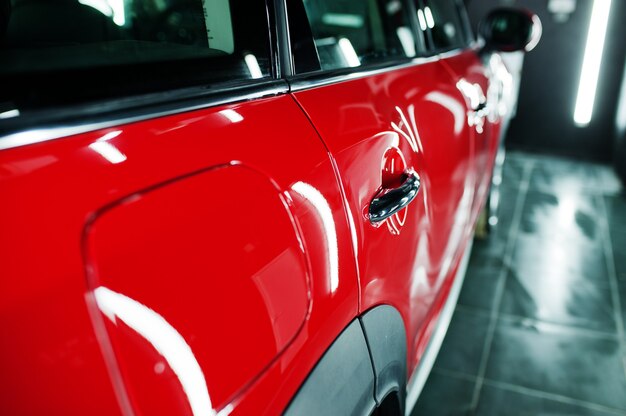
(68, 236)
(477, 83)
(417, 112)
(165, 259)
(205, 261)
(182, 219)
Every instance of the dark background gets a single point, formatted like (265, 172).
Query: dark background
(544, 121)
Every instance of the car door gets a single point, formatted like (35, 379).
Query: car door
(450, 37)
(173, 238)
(389, 117)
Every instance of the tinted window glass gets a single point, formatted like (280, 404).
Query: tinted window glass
(351, 33)
(72, 50)
(444, 22)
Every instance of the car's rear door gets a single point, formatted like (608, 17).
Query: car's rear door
(173, 233)
(388, 116)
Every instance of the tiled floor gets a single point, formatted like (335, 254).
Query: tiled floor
(539, 328)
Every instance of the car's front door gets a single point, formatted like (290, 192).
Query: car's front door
(389, 118)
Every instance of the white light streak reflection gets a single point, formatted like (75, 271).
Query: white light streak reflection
(430, 21)
(326, 215)
(165, 339)
(232, 116)
(253, 66)
(106, 149)
(422, 20)
(349, 53)
(452, 105)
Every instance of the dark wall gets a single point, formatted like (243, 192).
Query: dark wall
(544, 121)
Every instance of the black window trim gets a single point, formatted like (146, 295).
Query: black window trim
(304, 81)
(468, 43)
(62, 121)
(421, 46)
(322, 78)
(53, 124)
(56, 122)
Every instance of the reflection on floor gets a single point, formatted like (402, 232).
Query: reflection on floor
(539, 328)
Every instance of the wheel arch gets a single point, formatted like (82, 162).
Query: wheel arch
(363, 367)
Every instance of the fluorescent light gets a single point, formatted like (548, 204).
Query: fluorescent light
(430, 21)
(348, 52)
(592, 62)
(422, 20)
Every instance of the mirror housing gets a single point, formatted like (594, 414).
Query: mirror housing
(510, 30)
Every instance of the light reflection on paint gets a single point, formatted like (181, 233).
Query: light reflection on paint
(231, 115)
(501, 91)
(411, 136)
(355, 240)
(472, 92)
(326, 215)
(476, 96)
(450, 104)
(106, 149)
(165, 339)
(459, 227)
(418, 140)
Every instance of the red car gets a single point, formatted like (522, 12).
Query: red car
(229, 207)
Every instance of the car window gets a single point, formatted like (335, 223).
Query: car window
(443, 19)
(99, 48)
(352, 33)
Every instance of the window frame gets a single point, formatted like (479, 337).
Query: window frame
(59, 120)
(468, 40)
(300, 81)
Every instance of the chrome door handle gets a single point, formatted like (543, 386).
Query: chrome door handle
(391, 200)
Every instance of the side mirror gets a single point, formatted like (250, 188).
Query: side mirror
(509, 30)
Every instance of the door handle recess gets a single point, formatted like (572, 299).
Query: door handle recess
(391, 200)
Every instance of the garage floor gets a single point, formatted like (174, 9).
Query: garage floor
(539, 328)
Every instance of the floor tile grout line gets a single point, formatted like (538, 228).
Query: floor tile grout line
(527, 391)
(552, 396)
(610, 263)
(507, 256)
(519, 318)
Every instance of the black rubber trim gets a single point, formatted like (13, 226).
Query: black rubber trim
(386, 339)
(342, 382)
